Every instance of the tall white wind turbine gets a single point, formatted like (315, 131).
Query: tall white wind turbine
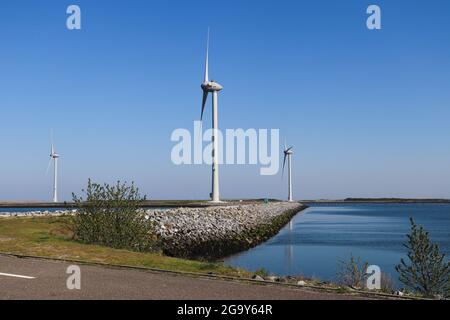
(288, 155)
(54, 157)
(212, 87)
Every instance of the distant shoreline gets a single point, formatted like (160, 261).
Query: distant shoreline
(379, 200)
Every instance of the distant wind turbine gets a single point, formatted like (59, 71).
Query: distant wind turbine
(213, 87)
(54, 157)
(288, 155)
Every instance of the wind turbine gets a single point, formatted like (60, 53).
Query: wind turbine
(288, 155)
(54, 157)
(213, 88)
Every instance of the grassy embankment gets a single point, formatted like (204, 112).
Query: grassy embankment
(50, 237)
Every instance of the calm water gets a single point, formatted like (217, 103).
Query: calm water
(320, 236)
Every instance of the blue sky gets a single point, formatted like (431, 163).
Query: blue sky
(367, 111)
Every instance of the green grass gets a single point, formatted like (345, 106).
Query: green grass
(50, 237)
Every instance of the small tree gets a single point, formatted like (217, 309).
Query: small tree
(353, 273)
(426, 272)
(112, 216)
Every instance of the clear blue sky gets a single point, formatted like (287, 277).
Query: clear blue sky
(368, 112)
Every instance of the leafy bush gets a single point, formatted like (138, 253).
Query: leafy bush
(353, 272)
(112, 216)
(426, 272)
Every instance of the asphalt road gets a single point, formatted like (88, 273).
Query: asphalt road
(25, 278)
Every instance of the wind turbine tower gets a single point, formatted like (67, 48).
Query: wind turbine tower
(54, 157)
(213, 88)
(288, 155)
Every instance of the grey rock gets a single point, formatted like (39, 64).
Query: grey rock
(257, 278)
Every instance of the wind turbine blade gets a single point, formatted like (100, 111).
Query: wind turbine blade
(290, 148)
(206, 79)
(205, 97)
(52, 142)
(284, 165)
(48, 167)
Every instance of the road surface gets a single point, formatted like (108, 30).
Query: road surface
(26, 278)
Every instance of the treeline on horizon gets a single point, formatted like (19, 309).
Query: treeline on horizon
(396, 200)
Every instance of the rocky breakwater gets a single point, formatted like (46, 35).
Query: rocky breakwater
(45, 213)
(214, 232)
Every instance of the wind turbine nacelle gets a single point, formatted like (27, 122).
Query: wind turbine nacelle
(211, 86)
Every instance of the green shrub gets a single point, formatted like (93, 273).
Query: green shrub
(353, 273)
(262, 272)
(112, 216)
(387, 284)
(426, 272)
